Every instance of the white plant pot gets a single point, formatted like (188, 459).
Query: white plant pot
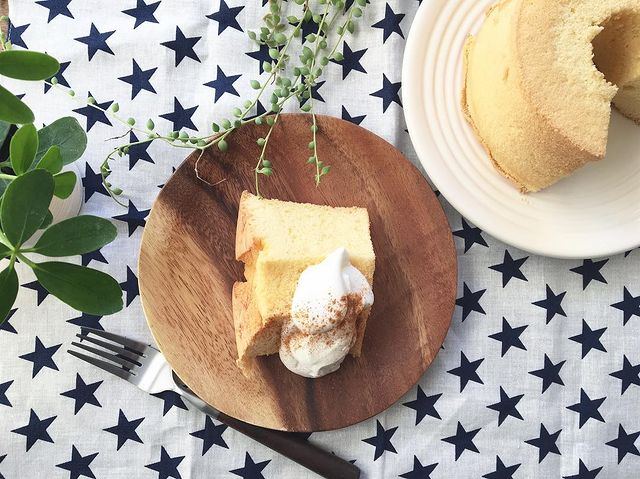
(67, 208)
(70, 207)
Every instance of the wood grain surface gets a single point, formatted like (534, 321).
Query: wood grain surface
(187, 269)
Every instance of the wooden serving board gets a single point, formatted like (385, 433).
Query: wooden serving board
(187, 268)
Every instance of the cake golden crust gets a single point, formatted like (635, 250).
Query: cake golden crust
(275, 256)
(536, 102)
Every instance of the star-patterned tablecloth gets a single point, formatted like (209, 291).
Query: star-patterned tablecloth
(540, 372)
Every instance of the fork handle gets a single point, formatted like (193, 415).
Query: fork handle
(295, 448)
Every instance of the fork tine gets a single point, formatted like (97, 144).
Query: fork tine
(104, 365)
(135, 346)
(111, 347)
(116, 358)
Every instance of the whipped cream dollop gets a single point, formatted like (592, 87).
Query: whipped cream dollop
(322, 329)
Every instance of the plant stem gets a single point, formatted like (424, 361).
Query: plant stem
(26, 260)
(4, 176)
(262, 153)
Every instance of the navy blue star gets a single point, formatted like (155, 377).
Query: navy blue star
(125, 430)
(143, 12)
(467, 371)
(309, 26)
(629, 374)
(183, 46)
(4, 400)
(83, 394)
(42, 357)
(180, 117)
(2, 458)
(139, 79)
(470, 301)
(15, 34)
(507, 406)
(624, 443)
(629, 305)
(96, 41)
(56, 7)
(93, 256)
(390, 23)
(510, 268)
(552, 303)
(349, 3)
(590, 271)
(584, 472)
(210, 435)
(587, 408)
(463, 440)
(130, 286)
(92, 183)
(351, 60)
(251, 470)
(79, 464)
(388, 93)
(95, 115)
(424, 405)
(138, 152)
(36, 430)
(261, 56)
(353, 119)
(382, 440)
(226, 17)
(546, 443)
(315, 94)
(509, 337)
(471, 235)
(550, 373)
(223, 84)
(59, 76)
(39, 289)
(170, 399)
(502, 471)
(133, 218)
(419, 471)
(87, 321)
(589, 339)
(6, 325)
(167, 466)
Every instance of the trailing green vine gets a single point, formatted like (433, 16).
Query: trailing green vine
(284, 81)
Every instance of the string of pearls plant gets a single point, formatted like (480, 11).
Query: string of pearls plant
(283, 80)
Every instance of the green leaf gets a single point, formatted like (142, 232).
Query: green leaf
(52, 160)
(3, 186)
(8, 291)
(27, 65)
(67, 134)
(13, 110)
(47, 220)
(77, 235)
(25, 205)
(82, 288)
(23, 148)
(4, 131)
(64, 184)
(4, 251)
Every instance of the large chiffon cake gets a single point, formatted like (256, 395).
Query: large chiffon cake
(277, 240)
(532, 93)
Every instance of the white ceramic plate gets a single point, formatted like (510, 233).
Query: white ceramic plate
(593, 213)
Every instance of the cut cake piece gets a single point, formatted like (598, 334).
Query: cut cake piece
(277, 240)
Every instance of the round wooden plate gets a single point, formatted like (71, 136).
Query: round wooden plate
(187, 268)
